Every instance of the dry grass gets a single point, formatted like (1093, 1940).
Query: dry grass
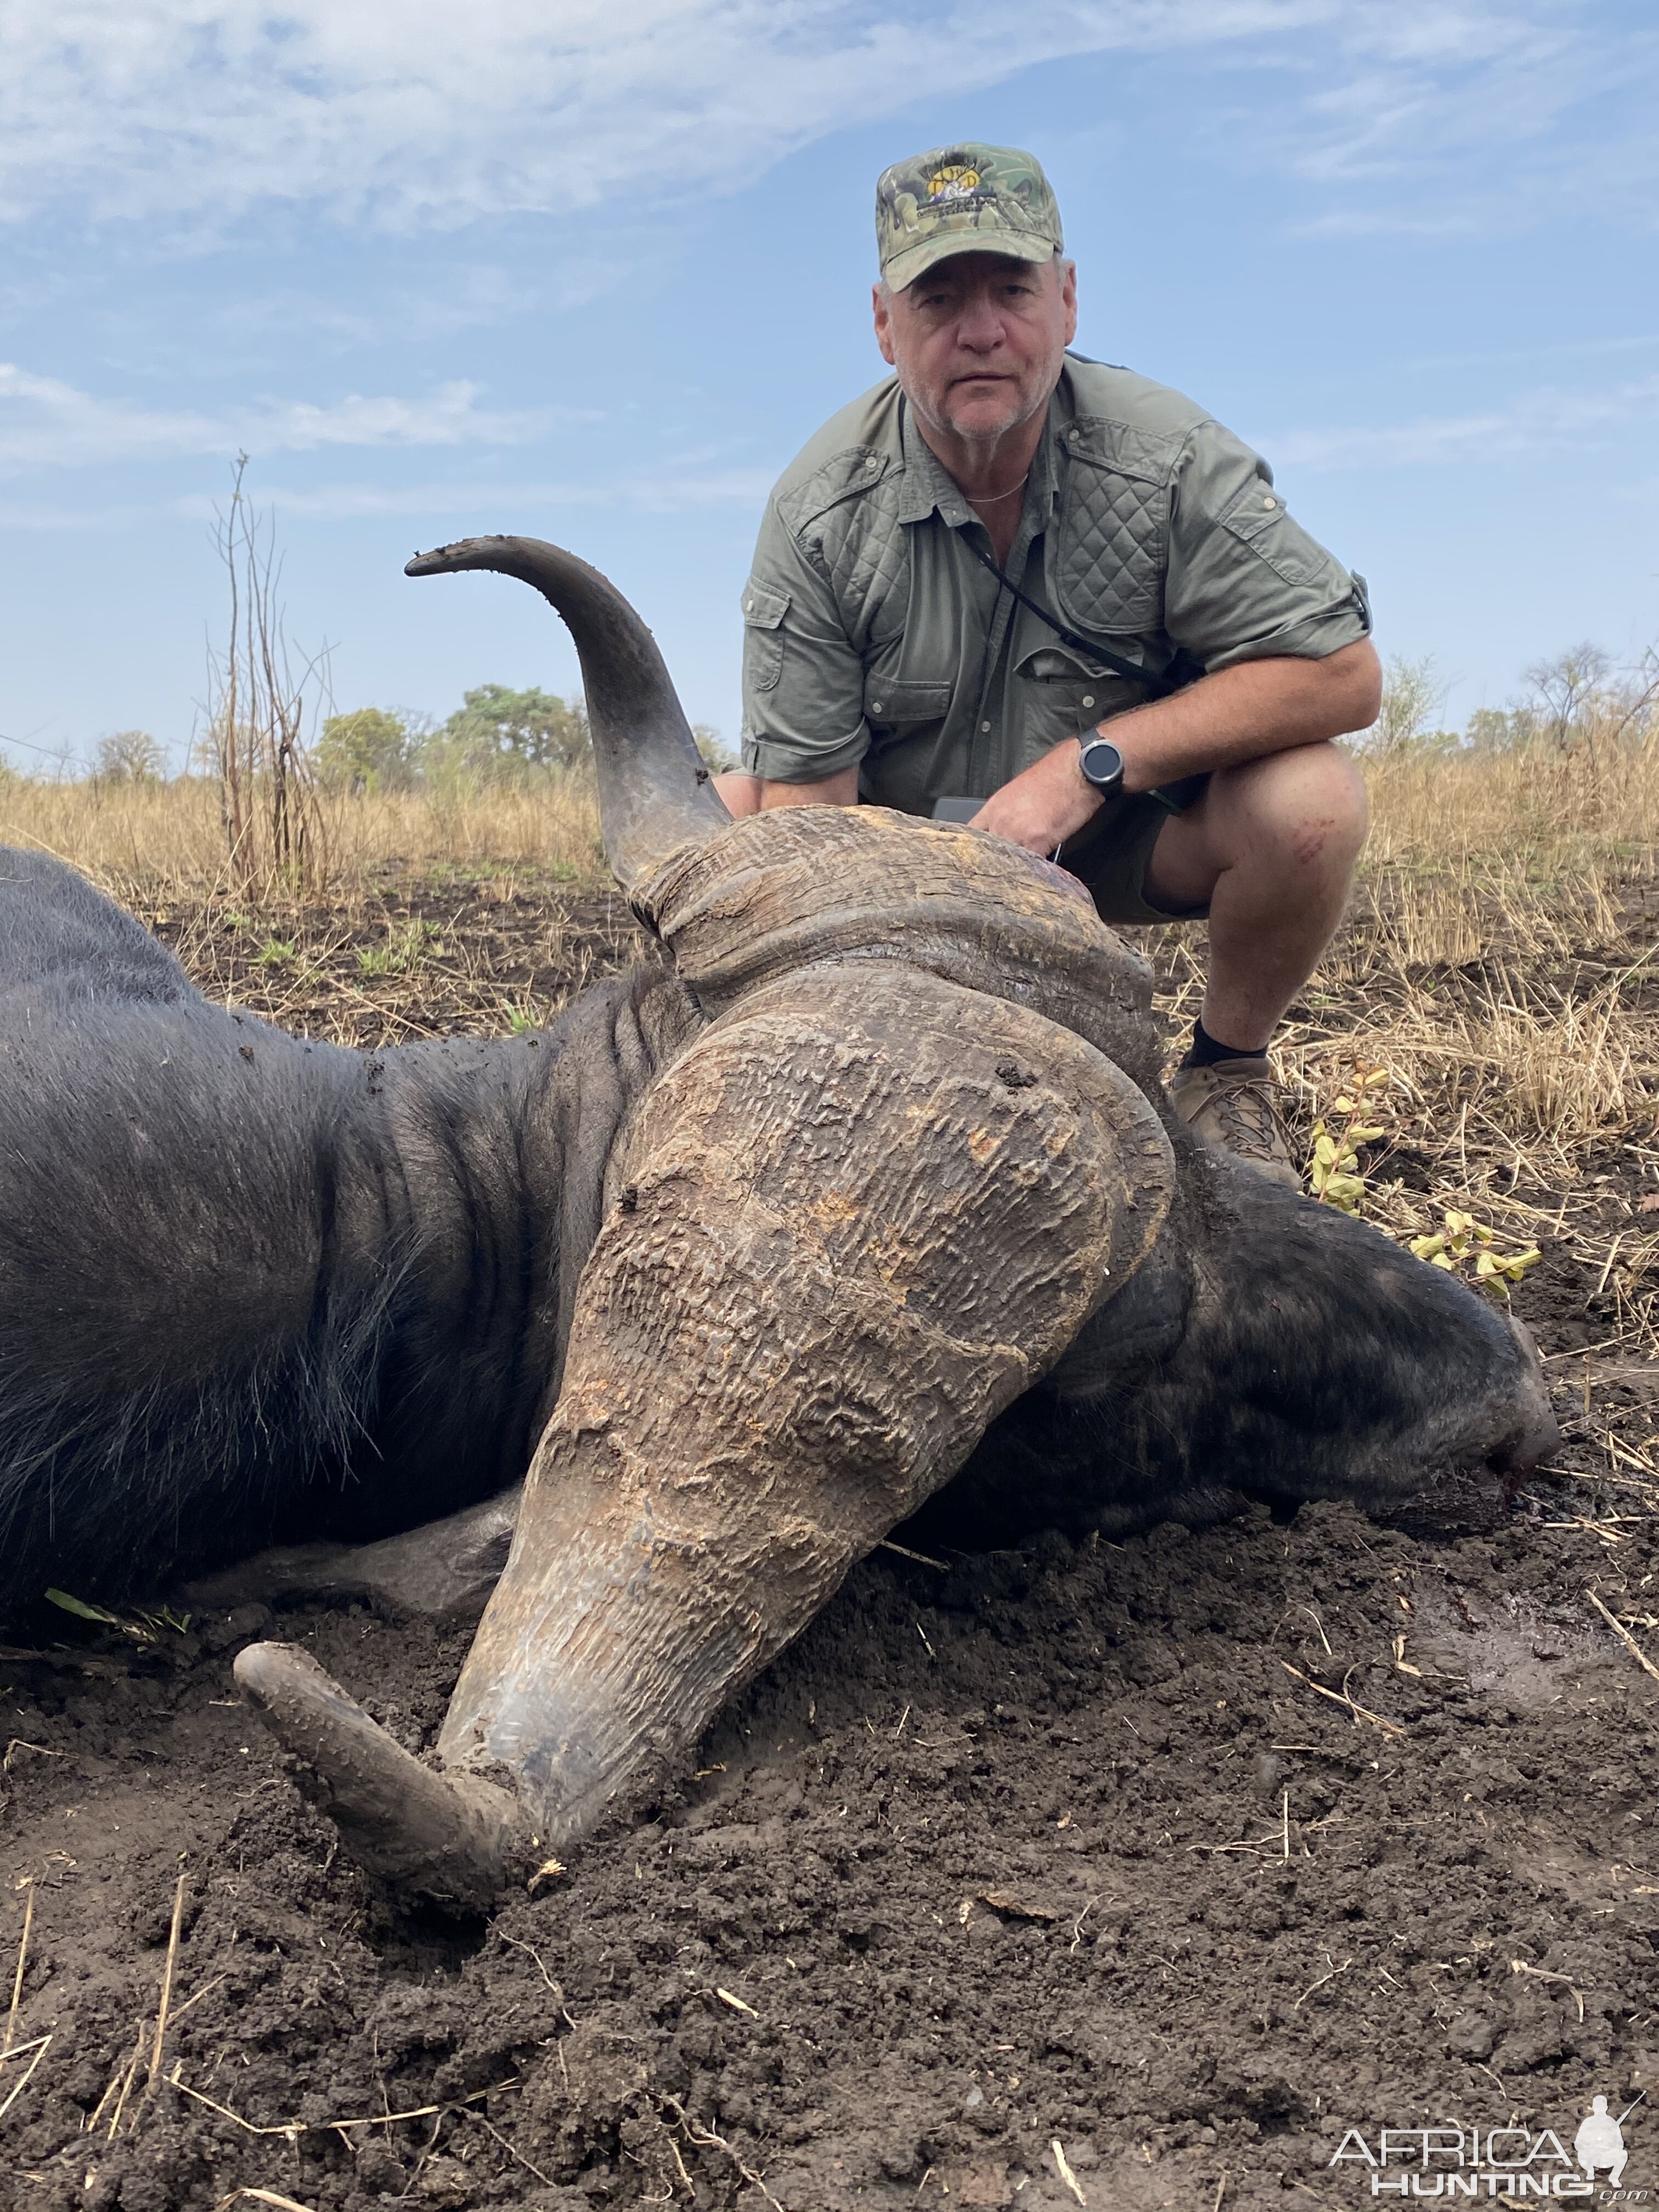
(1500, 955)
(144, 841)
(466, 910)
(1501, 959)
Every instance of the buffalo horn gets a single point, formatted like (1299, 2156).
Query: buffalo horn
(655, 795)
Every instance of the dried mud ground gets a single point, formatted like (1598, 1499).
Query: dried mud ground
(1120, 1875)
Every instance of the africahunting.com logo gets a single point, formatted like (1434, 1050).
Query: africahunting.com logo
(1515, 2164)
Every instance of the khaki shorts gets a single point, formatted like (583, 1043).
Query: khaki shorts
(1109, 856)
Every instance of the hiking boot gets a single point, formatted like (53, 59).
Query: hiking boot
(1232, 1106)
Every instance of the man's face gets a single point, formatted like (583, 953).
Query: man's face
(978, 340)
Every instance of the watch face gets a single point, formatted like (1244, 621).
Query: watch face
(1102, 763)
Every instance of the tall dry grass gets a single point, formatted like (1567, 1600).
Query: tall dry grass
(1495, 952)
(1500, 959)
(167, 840)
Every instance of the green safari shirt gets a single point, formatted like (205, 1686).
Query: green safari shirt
(872, 635)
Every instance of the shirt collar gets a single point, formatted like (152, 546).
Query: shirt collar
(927, 487)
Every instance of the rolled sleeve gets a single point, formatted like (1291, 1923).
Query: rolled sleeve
(803, 682)
(1246, 581)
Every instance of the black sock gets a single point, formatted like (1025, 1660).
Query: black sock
(1205, 1051)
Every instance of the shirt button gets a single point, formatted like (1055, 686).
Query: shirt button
(1088, 698)
(1270, 503)
(986, 728)
(875, 706)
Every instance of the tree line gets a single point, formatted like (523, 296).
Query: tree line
(1580, 701)
(497, 736)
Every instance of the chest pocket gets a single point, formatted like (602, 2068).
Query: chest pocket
(899, 703)
(1110, 560)
(1058, 696)
(762, 636)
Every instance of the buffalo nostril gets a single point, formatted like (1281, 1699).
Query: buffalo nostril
(1526, 1448)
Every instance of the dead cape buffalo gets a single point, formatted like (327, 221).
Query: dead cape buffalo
(862, 1194)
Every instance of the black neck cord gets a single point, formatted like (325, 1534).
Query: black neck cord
(1157, 687)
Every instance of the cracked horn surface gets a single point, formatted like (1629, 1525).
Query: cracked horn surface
(860, 1215)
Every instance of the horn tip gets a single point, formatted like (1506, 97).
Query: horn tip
(444, 560)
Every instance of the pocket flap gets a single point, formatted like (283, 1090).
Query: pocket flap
(763, 610)
(1258, 517)
(1051, 664)
(906, 699)
(1257, 510)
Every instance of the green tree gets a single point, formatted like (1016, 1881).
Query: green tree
(372, 750)
(130, 757)
(1413, 695)
(1571, 691)
(1492, 730)
(717, 755)
(498, 734)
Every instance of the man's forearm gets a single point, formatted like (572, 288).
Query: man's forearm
(745, 793)
(1238, 715)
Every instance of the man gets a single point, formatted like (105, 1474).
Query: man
(1013, 575)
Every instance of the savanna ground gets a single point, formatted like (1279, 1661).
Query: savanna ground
(1118, 1876)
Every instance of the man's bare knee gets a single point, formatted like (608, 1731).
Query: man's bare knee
(1306, 808)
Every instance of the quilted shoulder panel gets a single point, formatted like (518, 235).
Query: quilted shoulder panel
(846, 520)
(1112, 544)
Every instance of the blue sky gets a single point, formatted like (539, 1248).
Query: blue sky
(594, 273)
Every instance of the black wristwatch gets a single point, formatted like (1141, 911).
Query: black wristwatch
(1101, 765)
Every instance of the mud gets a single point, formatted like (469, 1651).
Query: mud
(1187, 1857)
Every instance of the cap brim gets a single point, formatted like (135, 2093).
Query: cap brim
(1010, 245)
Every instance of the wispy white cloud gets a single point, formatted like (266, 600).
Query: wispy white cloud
(658, 494)
(1538, 423)
(45, 422)
(426, 115)
(1416, 130)
(487, 505)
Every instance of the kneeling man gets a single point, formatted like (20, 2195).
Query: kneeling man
(1014, 575)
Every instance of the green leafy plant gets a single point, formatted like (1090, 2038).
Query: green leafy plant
(1334, 1176)
(404, 951)
(499, 735)
(1464, 1246)
(275, 953)
(370, 751)
(144, 1626)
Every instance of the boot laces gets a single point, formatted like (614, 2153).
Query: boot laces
(1248, 1123)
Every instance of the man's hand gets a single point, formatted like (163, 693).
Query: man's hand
(1044, 805)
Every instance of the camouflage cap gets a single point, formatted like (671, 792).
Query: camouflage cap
(964, 200)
